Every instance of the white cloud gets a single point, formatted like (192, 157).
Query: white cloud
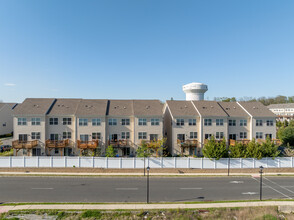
(9, 84)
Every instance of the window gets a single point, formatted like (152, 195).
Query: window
(96, 136)
(36, 135)
(23, 137)
(207, 136)
(84, 137)
(66, 121)
(112, 121)
(125, 135)
(153, 137)
(96, 122)
(4, 125)
(269, 123)
(207, 122)
(142, 135)
(125, 121)
(243, 135)
(83, 122)
(142, 121)
(36, 121)
(219, 135)
(54, 137)
(243, 122)
(192, 122)
(193, 135)
(21, 121)
(181, 137)
(180, 122)
(219, 122)
(53, 121)
(259, 135)
(232, 122)
(268, 136)
(66, 135)
(258, 122)
(154, 121)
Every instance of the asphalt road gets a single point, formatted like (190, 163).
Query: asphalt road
(133, 189)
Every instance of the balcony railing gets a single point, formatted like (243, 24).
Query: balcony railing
(57, 143)
(120, 143)
(88, 144)
(17, 144)
(243, 141)
(188, 143)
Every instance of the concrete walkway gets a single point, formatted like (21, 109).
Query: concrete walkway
(140, 174)
(145, 206)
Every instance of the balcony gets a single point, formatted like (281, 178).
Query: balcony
(88, 144)
(57, 143)
(243, 141)
(188, 143)
(17, 144)
(120, 143)
(216, 141)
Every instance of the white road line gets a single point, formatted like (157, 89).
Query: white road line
(126, 188)
(189, 188)
(279, 185)
(249, 193)
(237, 182)
(273, 189)
(43, 188)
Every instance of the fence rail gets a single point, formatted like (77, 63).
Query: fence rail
(164, 162)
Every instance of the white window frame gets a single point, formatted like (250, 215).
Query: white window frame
(112, 121)
(53, 121)
(21, 121)
(125, 135)
(96, 121)
(36, 135)
(219, 122)
(154, 121)
(192, 122)
(270, 123)
(193, 135)
(232, 122)
(207, 122)
(142, 135)
(259, 135)
(96, 135)
(243, 122)
(66, 135)
(125, 121)
(36, 121)
(142, 122)
(258, 123)
(243, 135)
(66, 121)
(180, 122)
(219, 135)
(83, 122)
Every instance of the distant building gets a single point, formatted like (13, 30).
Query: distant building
(283, 111)
(6, 118)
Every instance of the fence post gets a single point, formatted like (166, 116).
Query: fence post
(161, 162)
(201, 162)
(214, 163)
(175, 162)
(10, 161)
(267, 162)
(65, 162)
(120, 163)
(292, 162)
(134, 162)
(93, 162)
(79, 162)
(253, 162)
(38, 162)
(106, 162)
(279, 162)
(24, 161)
(241, 163)
(188, 163)
(51, 161)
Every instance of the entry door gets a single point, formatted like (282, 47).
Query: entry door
(23, 137)
(126, 151)
(54, 137)
(36, 152)
(181, 137)
(232, 137)
(67, 151)
(113, 137)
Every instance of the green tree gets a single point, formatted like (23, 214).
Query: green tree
(269, 149)
(238, 151)
(110, 151)
(253, 150)
(215, 150)
(291, 123)
(286, 135)
(143, 150)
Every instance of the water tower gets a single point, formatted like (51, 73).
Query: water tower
(195, 91)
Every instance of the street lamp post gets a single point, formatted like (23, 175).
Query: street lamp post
(148, 168)
(229, 161)
(144, 161)
(260, 187)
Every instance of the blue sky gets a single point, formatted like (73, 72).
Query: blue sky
(145, 49)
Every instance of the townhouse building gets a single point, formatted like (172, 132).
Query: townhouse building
(189, 124)
(6, 118)
(283, 111)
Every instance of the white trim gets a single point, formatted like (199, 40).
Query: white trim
(201, 125)
(251, 121)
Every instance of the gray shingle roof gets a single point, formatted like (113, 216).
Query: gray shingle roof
(65, 107)
(182, 108)
(233, 109)
(257, 109)
(33, 106)
(120, 108)
(92, 107)
(12, 105)
(286, 105)
(209, 108)
(147, 107)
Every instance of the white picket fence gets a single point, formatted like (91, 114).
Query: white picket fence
(163, 162)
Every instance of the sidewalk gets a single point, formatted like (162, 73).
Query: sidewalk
(145, 206)
(138, 174)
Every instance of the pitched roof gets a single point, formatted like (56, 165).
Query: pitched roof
(182, 108)
(286, 105)
(147, 107)
(120, 108)
(257, 109)
(209, 108)
(65, 107)
(33, 106)
(12, 105)
(233, 109)
(92, 107)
